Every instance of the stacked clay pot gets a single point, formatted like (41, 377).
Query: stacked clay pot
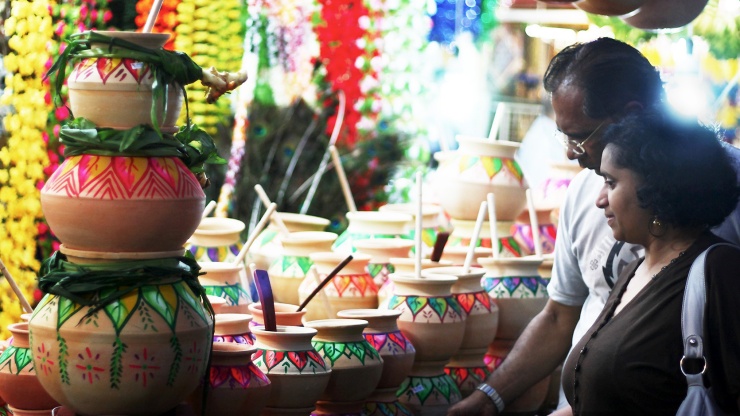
(268, 245)
(134, 336)
(371, 224)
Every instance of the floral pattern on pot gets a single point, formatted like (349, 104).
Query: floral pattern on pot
(432, 309)
(290, 361)
(423, 391)
(516, 287)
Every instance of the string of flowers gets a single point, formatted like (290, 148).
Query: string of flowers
(166, 19)
(67, 19)
(29, 29)
(211, 33)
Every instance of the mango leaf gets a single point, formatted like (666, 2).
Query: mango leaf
(163, 300)
(439, 305)
(423, 387)
(357, 349)
(118, 314)
(187, 296)
(23, 357)
(66, 309)
(329, 350)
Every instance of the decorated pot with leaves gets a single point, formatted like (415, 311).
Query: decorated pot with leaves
(478, 167)
(356, 366)
(521, 230)
(123, 204)
(131, 337)
(227, 280)
(288, 270)
(398, 356)
(404, 265)
(285, 314)
(233, 327)
(236, 386)
(216, 239)
(351, 288)
(19, 385)
(297, 372)
(430, 222)
(517, 289)
(371, 224)
(268, 245)
(427, 392)
(462, 233)
(381, 251)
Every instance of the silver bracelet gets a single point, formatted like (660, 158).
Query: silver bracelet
(493, 395)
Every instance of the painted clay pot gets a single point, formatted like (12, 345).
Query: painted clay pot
(236, 386)
(432, 319)
(381, 250)
(398, 356)
(462, 233)
(557, 182)
(521, 230)
(356, 366)
(404, 265)
(117, 92)
(225, 280)
(285, 315)
(299, 375)
(151, 343)
(233, 327)
(478, 167)
(430, 222)
(19, 384)
(518, 290)
(351, 288)
(456, 255)
(216, 239)
(370, 224)
(289, 269)
(217, 303)
(123, 204)
(268, 245)
(467, 367)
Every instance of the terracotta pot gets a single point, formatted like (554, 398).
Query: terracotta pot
(19, 384)
(117, 92)
(518, 290)
(427, 392)
(236, 386)
(370, 224)
(216, 239)
(351, 288)
(97, 203)
(285, 314)
(233, 327)
(521, 230)
(356, 366)
(609, 7)
(456, 255)
(665, 14)
(217, 303)
(480, 166)
(557, 182)
(381, 250)
(404, 265)
(297, 372)
(290, 267)
(142, 355)
(268, 245)
(225, 281)
(430, 222)
(532, 399)
(468, 370)
(462, 233)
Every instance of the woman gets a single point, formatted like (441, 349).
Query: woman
(666, 182)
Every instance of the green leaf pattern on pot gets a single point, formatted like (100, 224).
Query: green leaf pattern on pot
(374, 269)
(344, 241)
(332, 351)
(441, 389)
(66, 309)
(518, 287)
(289, 263)
(14, 360)
(232, 293)
(166, 309)
(491, 165)
(442, 306)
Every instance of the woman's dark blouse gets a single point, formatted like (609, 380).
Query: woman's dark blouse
(629, 363)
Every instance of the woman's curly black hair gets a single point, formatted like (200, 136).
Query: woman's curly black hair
(686, 173)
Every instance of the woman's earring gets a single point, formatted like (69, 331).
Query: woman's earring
(655, 227)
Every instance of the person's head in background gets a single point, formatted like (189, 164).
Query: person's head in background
(664, 177)
(593, 85)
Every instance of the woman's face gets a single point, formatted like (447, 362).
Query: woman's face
(618, 198)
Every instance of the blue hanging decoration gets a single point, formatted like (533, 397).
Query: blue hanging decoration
(452, 17)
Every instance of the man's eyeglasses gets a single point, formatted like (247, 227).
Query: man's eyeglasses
(576, 146)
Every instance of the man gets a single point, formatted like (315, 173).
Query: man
(591, 85)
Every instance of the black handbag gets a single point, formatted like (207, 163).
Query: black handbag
(699, 400)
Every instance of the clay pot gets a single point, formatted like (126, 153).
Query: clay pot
(225, 281)
(19, 384)
(480, 166)
(518, 290)
(217, 303)
(381, 250)
(117, 92)
(557, 182)
(665, 14)
(426, 392)
(233, 327)
(404, 265)
(96, 203)
(456, 255)
(285, 314)
(521, 230)
(236, 386)
(297, 372)
(430, 222)
(398, 356)
(356, 366)
(289, 269)
(216, 239)
(462, 233)
(142, 355)
(351, 288)
(268, 245)
(609, 7)
(371, 224)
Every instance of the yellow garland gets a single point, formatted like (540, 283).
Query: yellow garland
(211, 33)
(29, 29)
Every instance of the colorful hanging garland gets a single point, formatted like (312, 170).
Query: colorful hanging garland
(29, 29)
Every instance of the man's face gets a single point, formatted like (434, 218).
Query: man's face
(582, 132)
